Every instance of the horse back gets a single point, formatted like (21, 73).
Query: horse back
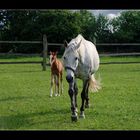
(89, 55)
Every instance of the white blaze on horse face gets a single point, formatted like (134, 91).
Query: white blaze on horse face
(70, 60)
(69, 73)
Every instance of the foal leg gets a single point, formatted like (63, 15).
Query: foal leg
(52, 82)
(61, 81)
(58, 80)
(55, 78)
(83, 96)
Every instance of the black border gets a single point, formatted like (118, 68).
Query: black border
(69, 4)
(83, 135)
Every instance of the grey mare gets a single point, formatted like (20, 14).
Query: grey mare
(81, 60)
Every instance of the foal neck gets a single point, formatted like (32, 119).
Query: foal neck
(54, 60)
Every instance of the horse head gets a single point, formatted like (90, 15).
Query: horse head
(71, 59)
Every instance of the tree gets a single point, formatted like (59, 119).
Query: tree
(102, 29)
(126, 27)
(87, 24)
(58, 25)
(19, 25)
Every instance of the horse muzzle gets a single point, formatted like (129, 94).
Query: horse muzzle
(70, 74)
(69, 68)
(69, 78)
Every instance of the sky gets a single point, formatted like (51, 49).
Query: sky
(109, 13)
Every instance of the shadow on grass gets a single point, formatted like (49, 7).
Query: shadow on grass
(14, 122)
(138, 70)
(15, 98)
(21, 71)
(21, 68)
(20, 56)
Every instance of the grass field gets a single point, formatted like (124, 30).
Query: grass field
(11, 58)
(25, 103)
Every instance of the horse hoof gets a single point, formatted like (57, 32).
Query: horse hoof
(76, 110)
(74, 118)
(50, 95)
(86, 105)
(82, 116)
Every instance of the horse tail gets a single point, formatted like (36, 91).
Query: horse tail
(94, 85)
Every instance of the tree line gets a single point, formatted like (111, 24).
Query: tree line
(60, 25)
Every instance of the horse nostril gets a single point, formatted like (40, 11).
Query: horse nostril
(69, 78)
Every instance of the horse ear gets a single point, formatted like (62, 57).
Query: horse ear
(78, 44)
(50, 53)
(65, 43)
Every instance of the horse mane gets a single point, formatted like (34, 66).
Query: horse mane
(79, 38)
(76, 40)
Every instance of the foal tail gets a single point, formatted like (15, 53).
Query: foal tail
(94, 85)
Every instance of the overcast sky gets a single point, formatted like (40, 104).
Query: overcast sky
(109, 13)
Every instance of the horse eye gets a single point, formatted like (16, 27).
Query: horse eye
(64, 57)
(76, 58)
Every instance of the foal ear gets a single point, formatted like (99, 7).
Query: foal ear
(65, 43)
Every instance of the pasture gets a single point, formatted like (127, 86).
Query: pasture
(25, 103)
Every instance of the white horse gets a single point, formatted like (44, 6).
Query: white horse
(81, 60)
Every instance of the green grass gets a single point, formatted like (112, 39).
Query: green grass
(11, 58)
(120, 59)
(25, 103)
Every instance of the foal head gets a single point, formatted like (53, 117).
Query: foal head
(53, 56)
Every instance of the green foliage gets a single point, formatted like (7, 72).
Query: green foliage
(87, 24)
(102, 29)
(60, 25)
(57, 24)
(126, 27)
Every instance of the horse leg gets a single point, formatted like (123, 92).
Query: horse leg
(74, 116)
(76, 93)
(52, 82)
(86, 96)
(83, 96)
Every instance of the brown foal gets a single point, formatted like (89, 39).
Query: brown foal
(56, 74)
